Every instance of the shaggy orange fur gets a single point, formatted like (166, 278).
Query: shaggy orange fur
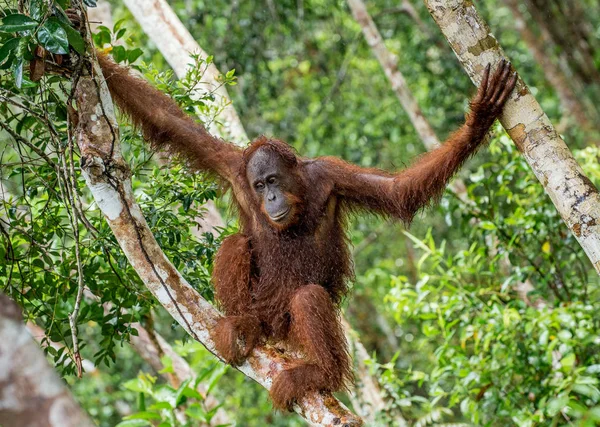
(285, 282)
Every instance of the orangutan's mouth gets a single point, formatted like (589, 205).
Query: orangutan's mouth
(281, 215)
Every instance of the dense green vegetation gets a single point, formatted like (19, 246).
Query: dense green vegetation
(436, 306)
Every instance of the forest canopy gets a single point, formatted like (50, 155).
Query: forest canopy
(482, 312)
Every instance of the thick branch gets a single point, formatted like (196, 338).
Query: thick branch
(573, 194)
(31, 393)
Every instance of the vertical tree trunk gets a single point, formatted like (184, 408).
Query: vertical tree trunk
(389, 63)
(31, 393)
(573, 194)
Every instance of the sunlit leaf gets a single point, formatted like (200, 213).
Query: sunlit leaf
(53, 37)
(17, 22)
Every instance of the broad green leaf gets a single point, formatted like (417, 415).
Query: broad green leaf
(134, 54)
(53, 37)
(7, 48)
(38, 8)
(17, 22)
(119, 54)
(556, 405)
(134, 423)
(74, 38)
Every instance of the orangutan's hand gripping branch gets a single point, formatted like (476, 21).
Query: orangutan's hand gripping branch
(283, 275)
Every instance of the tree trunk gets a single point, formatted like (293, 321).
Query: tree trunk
(389, 63)
(573, 194)
(108, 178)
(31, 393)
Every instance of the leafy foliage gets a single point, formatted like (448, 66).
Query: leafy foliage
(454, 337)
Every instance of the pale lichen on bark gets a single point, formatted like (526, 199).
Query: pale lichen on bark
(573, 194)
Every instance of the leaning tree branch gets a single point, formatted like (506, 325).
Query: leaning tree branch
(108, 178)
(575, 197)
(389, 63)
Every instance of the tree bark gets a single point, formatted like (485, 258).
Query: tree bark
(31, 393)
(573, 194)
(108, 178)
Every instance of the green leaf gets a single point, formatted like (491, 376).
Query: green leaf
(119, 54)
(556, 405)
(133, 423)
(134, 54)
(38, 8)
(143, 415)
(196, 412)
(74, 38)
(7, 48)
(179, 395)
(53, 37)
(160, 405)
(18, 72)
(568, 362)
(17, 22)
